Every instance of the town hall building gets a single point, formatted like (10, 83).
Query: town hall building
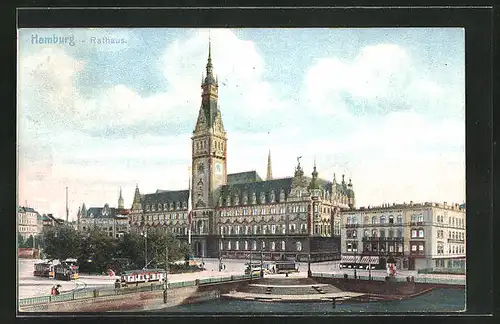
(236, 215)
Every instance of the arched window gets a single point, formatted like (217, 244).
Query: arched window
(400, 219)
(221, 245)
(391, 233)
(391, 219)
(254, 245)
(283, 247)
(382, 219)
(237, 245)
(382, 233)
(229, 245)
(299, 246)
(421, 233)
(374, 233)
(367, 233)
(374, 220)
(273, 246)
(367, 220)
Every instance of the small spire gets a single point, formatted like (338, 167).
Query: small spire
(269, 167)
(334, 178)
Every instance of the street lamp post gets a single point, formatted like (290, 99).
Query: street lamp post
(355, 263)
(309, 273)
(262, 259)
(165, 295)
(221, 245)
(145, 234)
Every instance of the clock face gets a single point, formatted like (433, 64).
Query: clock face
(218, 168)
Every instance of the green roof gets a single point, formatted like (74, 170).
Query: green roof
(243, 177)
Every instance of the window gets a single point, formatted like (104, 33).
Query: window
(283, 245)
(374, 220)
(273, 229)
(382, 219)
(391, 219)
(414, 233)
(366, 220)
(413, 247)
(420, 247)
(391, 233)
(400, 219)
(420, 218)
(374, 233)
(299, 246)
(237, 245)
(283, 229)
(246, 245)
(366, 233)
(382, 233)
(254, 245)
(229, 245)
(221, 245)
(273, 246)
(263, 246)
(420, 233)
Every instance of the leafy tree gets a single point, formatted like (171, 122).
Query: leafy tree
(96, 251)
(21, 243)
(62, 242)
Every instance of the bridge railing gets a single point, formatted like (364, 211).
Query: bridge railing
(417, 279)
(95, 293)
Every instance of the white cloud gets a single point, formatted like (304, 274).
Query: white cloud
(382, 78)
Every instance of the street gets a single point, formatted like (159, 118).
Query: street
(31, 286)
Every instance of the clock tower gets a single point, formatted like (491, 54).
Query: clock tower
(208, 145)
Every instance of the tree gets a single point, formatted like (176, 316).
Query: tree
(96, 251)
(62, 242)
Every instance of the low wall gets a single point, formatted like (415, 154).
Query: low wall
(140, 301)
(399, 288)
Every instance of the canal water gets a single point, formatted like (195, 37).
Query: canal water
(437, 300)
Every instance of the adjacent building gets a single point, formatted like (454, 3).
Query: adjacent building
(415, 236)
(27, 222)
(113, 221)
(235, 215)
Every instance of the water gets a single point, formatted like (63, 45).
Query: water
(437, 300)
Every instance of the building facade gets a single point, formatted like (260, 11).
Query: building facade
(27, 222)
(113, 221)
(415, 236)
(236, 215)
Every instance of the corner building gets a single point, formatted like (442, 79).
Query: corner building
(415, 236)
(241, 215)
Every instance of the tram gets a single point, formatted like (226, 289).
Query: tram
(66, 271)
(140, 276)
(43, 269)
(286, 266)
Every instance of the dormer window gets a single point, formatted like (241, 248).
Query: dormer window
(262, 198)
(236, 200)
(273, 197)
(282, 195)
(245, 198)
(254, 198)
(159, 206)
(165, 206)
(228, 201)
(147, 207)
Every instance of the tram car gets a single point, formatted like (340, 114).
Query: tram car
(135, 277)
(44, 269)
(66, 270)
(286, 266)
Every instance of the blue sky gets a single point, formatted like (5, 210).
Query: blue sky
(383, 106)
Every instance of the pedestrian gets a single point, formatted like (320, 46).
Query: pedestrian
(57, 289)
(53, 291)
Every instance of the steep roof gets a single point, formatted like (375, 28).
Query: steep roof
(258, 187)
(166, 196)
(243, 177)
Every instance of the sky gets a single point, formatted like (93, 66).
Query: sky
(384, 106)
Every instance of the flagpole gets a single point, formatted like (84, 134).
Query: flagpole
(190, 216)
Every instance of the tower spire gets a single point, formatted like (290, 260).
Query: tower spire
(269, 167)
(120, 200)
(209, 61)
